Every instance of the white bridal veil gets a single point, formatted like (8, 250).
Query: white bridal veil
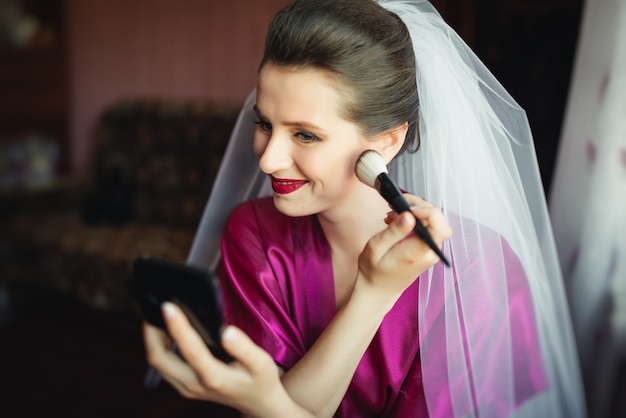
(476, 162)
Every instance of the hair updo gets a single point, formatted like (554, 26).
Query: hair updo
(365, 47)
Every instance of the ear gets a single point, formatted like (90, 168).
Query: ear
(389, 143)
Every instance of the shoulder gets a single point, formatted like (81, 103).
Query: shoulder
(481, 252)
(259, 220)
(253, 208)
(255, 212)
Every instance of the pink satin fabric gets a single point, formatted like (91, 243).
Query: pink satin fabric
(277, 285)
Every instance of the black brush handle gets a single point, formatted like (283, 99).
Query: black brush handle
(393, 195)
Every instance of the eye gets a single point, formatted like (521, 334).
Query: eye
(264, 125)
(307, 137)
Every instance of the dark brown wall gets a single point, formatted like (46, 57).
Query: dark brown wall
(159, 48)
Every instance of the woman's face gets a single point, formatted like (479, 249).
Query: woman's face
(303, 143)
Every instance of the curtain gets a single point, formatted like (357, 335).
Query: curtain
(588, 200)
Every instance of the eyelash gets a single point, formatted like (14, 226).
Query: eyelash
(264, 125)
(305, 137)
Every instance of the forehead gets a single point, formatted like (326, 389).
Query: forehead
(303, 89)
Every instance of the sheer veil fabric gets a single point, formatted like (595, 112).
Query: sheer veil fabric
(477, 162)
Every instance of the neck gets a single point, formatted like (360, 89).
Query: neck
(348, 227)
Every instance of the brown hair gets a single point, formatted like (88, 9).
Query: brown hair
(367, 48)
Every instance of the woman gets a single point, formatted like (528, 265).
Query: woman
(357, 316)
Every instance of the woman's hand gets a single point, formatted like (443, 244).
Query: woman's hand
(394, 258)
(250, 384)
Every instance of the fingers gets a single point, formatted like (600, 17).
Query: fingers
(247, 384)
(160, 355)
(396, 252)
(257, 361)
(434, 221)
(190, 344)
(213, 378)
(415, 201)
(430, 216)
(399, 227)
(155, 339)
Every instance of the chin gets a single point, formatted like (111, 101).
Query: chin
(293, 208)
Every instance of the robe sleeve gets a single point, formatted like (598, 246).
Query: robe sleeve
(254, 282)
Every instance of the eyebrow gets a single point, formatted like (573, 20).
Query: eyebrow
(295, 124)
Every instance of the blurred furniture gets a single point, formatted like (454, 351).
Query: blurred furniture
(153, 168)
(34, 77)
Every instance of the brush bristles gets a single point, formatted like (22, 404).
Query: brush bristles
(369, 166)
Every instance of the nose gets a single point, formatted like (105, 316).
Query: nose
(274, 153)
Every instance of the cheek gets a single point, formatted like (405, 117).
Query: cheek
(337, 170)
(338, 183)
(259, 144)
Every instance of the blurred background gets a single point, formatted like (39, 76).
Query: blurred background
(113, 119)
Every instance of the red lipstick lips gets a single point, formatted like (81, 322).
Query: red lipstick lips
(286, 186)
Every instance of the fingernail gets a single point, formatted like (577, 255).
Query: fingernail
(168, 310)
(230, 334)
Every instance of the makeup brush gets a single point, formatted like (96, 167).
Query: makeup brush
(371, 170)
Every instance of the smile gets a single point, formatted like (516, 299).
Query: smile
(286, 186)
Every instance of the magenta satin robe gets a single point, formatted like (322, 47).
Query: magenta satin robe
(277, 285)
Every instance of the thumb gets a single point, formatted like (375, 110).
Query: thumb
(248, 354)
(398, 229)
(405, 223)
